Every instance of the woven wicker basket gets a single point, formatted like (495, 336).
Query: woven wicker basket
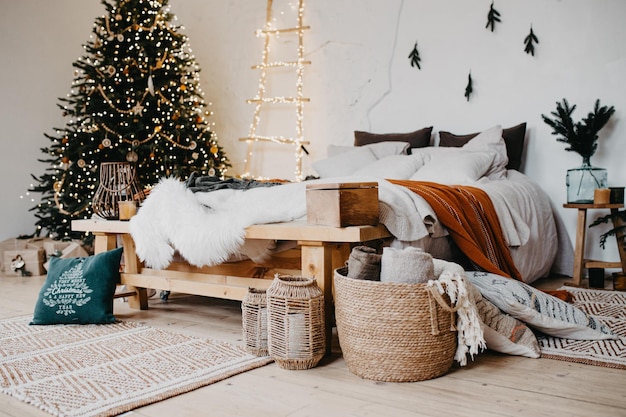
(295, 311)
(393, 332)
(254, 321)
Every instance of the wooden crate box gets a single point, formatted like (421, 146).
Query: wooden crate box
(342, 204)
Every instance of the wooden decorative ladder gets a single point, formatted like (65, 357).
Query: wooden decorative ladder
(262, 100)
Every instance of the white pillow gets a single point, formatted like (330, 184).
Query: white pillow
(344, 163)
(398, 167)
(491, 139)
(453, 165)
(379, 149)
(539, 310)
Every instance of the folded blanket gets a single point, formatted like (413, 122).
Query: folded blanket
(472, 221)
(470, 336)
(408, 265)
(198, 183)
(364, 263)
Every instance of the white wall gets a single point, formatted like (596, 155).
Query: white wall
(360, 78)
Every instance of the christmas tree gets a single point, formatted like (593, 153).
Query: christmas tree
(135, 97)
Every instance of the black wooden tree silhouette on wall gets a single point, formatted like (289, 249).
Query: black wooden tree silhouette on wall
(135, 97)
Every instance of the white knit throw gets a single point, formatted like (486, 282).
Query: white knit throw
(469, 332)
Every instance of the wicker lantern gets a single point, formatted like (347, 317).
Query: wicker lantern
(254, 321)
(295, 309)
(118, 183)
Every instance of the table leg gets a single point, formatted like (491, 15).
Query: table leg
(579, 251)
(619, 238)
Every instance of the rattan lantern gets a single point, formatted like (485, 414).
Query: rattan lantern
(295, 310)
(254, 321)
(118, 183)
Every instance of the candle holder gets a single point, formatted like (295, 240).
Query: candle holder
(601, 196)
(118, 183)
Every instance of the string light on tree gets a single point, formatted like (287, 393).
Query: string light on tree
(261, 100)
(135, 97)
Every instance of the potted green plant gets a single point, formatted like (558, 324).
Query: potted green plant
(581, 137)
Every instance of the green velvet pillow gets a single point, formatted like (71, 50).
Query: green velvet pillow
(79, 290)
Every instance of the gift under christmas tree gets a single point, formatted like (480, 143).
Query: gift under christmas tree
(135, 98)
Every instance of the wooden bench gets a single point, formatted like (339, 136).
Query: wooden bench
(320, 250)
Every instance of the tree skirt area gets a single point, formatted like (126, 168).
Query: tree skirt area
(610, 308)
(105, 370)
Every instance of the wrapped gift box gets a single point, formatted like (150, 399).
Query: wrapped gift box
(342, 204)
(33, 259)
(69, 249)
(10, 244)
(9, 249)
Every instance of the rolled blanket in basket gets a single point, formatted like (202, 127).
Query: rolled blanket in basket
(364, 263)
(407, 266)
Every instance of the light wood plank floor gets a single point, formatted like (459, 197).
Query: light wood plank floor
(491, 385)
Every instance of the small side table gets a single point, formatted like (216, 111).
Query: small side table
(581, 228)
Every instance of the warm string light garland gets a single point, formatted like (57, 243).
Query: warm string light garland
(267, 32)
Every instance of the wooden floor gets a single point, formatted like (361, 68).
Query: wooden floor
(491, 385)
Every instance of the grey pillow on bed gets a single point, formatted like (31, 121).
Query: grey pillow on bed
(418, 139)
(344, 163)
(380, 150)
(513, 138)
(346, 160)
(399, 167)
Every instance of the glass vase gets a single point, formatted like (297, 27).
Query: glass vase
(582, 181)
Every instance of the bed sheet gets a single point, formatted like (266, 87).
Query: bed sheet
(209, 228)
(536, 237)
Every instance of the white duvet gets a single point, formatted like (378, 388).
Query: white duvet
(209, 228)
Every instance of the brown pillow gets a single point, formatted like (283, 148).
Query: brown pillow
(418, 139)
(513, 138)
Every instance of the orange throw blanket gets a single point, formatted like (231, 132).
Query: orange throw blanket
(472, 222)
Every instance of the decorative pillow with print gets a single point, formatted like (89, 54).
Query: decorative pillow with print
(539, 310)
(503, 333)
(79, 290)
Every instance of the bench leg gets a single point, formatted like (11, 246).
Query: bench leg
(131, 266)
(319, 260)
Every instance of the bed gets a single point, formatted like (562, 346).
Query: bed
(208, 228)
(221, 242)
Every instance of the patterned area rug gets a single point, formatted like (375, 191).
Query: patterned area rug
(105, 370)
(608, 306)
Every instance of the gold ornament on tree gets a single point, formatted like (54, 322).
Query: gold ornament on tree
(132, 156)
